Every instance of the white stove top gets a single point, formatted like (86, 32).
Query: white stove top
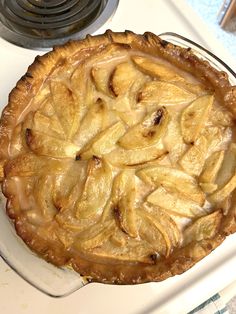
(175, 295)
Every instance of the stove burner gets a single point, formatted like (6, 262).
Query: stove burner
(44, 23)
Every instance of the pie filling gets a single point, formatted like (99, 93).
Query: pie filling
(120, 157)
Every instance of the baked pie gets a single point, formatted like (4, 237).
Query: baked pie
(118, 157)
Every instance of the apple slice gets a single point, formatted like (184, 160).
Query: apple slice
(83, 84)
(50, 125)
(211, 167)
(173, 179)
(218, 138)
(165, 73)
(91, 124)
(175, 203)
(156, 227)
(139, 251)
(119, 238)
(228, 167)
(173, 140)
(45, 145)
(100, 77)
(103, 142)
(67, 110)
(123, 198)
(148, 132)
(135, 157)
(164, 93)
(197, 89)
(95, 235)
(46, 107)
(83, 88)
(132, 117)
(123, 77)
(27, 164)
(169, 224)
(155, 69)
(204, 228)
(222, 193)
(208, 188)
(195, 116)
(152, 231)
(43, 190)
(193, 160)
(97, 189)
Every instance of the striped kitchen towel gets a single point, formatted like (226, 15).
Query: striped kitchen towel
(214, 305)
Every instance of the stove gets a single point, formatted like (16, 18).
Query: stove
(45, 23)
(179, 294)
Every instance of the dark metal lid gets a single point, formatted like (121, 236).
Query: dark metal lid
(44, 23)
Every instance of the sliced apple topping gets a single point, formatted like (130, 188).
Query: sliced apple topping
(27, 164)
(157, 226)
(153, 232)
(123, 198)
(95, 235)
(193, 160)
(18, 144)
(83, 88)
(132, 117)
(97, 189)
(133, 251)
(163, 72)
(104, 142)
(100, 76)
(42, 144)
(175, 203)
(195, 116)
(119, 238)
(194, 88)
(91, 124)
(211, 167)
(173, 179)
(46, 107)
(164, 93)
(169, 224)
(148, 132)
(222, 193)
(69, 185)
(65, 107)
(155, 69)
(135, 157)
(204, 228)
(217, 138)
(123, 77)
(173, 140)
(208, 188)
(228, 167)
(43, 190)
(50, 125)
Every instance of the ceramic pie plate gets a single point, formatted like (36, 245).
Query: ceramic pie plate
(46, 277)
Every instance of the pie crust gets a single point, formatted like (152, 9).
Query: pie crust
(117, 157)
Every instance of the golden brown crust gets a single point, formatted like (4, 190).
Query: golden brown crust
(181, 259)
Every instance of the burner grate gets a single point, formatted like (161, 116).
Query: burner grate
(44, 23)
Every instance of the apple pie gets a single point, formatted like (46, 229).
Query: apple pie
(118, 158)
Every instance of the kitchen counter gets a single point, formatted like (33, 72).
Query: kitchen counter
(208, 11)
